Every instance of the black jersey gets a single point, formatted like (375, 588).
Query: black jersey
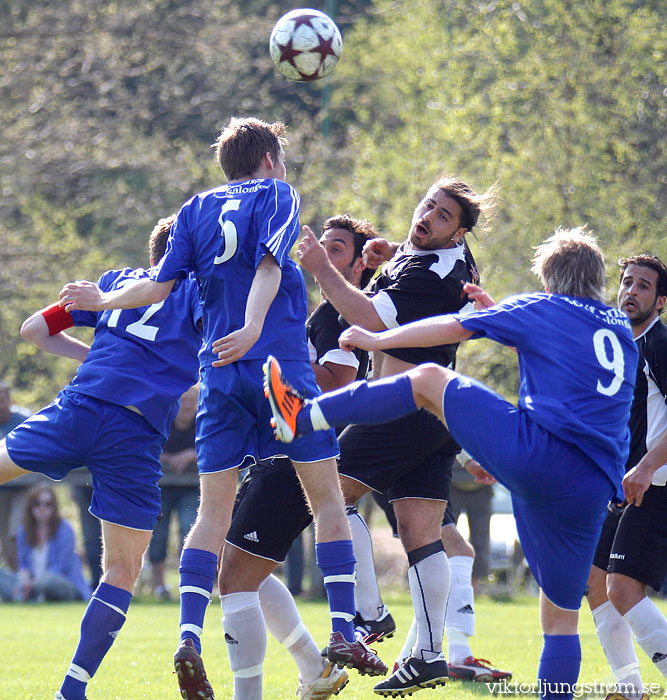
(416, 284)
(648, 415)
(323, 329)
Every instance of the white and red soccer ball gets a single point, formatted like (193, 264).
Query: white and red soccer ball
(305, 45)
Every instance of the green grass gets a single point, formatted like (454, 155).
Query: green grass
(37, 643)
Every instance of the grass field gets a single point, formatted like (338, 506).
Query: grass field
(37, 643)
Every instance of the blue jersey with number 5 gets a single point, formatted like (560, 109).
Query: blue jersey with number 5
(222, 235)
(146, 357)
(577, 361)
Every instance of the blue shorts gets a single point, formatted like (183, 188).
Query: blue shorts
(233, 420)
(120, 448)
(559, 495)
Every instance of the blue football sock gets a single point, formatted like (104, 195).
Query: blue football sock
(380, 401)
(336, 562)
(198, 569)
(100, 625)
(559, 666)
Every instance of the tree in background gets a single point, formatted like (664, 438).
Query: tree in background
(561, 103)
(109, 110)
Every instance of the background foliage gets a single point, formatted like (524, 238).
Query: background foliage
(109, 108)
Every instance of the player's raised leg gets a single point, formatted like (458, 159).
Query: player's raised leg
(361, 402)
(335, 559)
(123, 549)
(198, 570)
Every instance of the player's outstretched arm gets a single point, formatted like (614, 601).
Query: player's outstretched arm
(351, 303)
(263, 291)
(87, 296)
(37, 330)
(437, 330)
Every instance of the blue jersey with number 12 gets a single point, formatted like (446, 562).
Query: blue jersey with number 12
(222, 235)
(577, 361)
(143, 358)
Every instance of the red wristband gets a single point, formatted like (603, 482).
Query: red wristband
(57, 319)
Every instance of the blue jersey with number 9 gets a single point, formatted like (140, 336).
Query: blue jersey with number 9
(144, 358)
(577, 362)
(222, 235)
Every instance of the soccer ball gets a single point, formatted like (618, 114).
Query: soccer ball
(305, 45)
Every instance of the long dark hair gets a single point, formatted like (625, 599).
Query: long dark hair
(29, 522)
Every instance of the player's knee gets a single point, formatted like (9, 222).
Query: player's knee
(428, 378)
(416, 533)
(241, 572)
(209, 524)
(624, 596)
(614, 593)
(123, 573)
(331, 523)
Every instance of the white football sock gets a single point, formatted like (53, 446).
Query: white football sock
(615, 637)
(460, 617)
(245, 635)
(650, 628)
(317, 418)
(284, 622)
(368, 600)
(429, 588)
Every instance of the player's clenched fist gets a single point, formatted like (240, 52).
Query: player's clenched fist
(377, 251)
(82, 294)
(356, 337)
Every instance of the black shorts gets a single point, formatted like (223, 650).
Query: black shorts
(270, 510)
(634, 540)
(411, 457)
(609, 527)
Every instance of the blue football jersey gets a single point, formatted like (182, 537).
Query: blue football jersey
(222, 235)
(144, 357)
(577, 362)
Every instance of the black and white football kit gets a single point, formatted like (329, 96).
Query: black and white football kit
(270, 509)
(634, 539)
(411, 457)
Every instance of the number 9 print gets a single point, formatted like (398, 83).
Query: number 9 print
(615, 363)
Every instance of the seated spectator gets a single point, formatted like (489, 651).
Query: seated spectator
(49, 567)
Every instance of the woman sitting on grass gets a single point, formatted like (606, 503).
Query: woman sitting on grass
(49, 567)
